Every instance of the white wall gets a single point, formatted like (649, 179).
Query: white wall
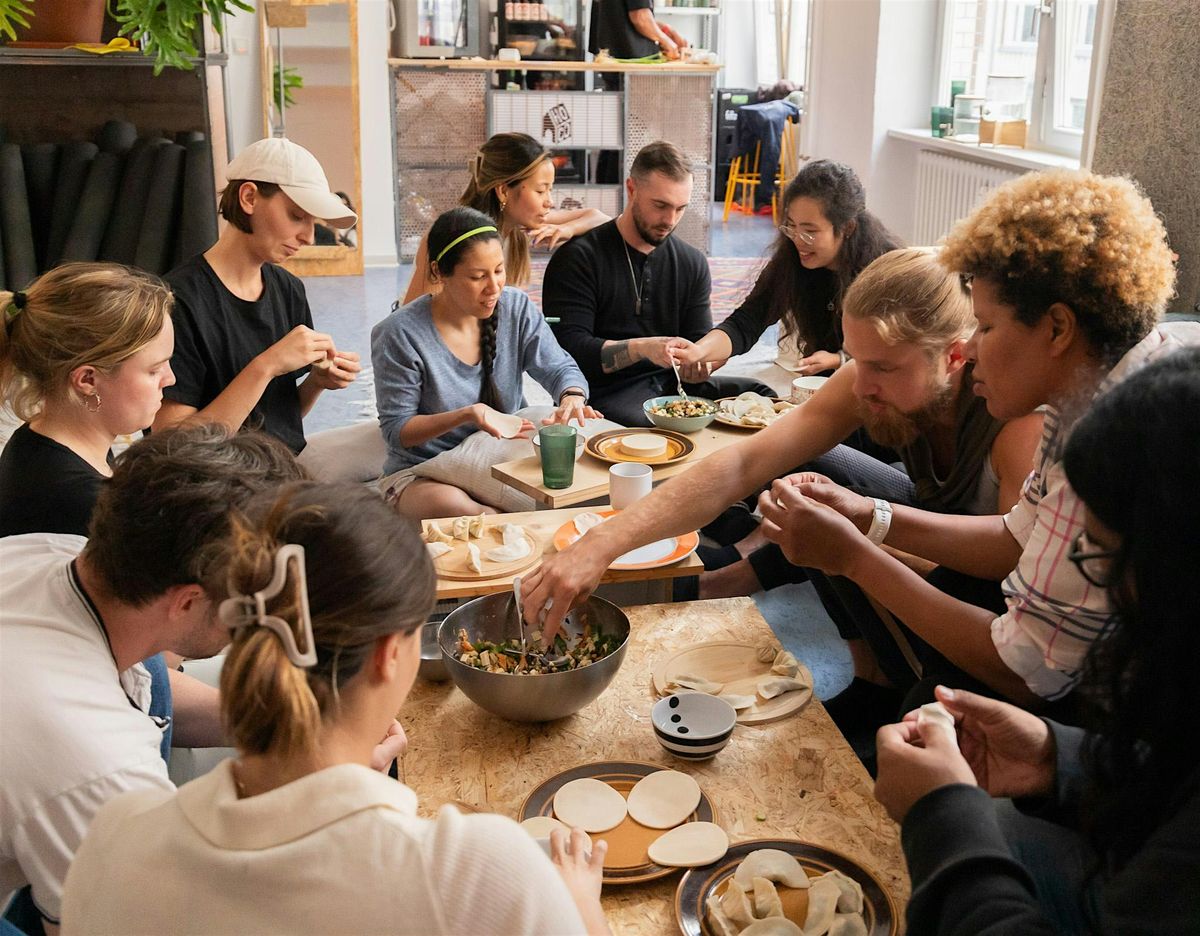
(244, 117)
(872, 69)
(378, 228)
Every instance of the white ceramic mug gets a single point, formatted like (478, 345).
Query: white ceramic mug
(627, 482)
(804, 387)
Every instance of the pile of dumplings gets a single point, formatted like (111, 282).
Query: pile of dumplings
(514, 542)
(784, 677)
(751, 903)
(754, 409)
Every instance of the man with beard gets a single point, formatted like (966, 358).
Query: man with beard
(626, 293)
(906, 323)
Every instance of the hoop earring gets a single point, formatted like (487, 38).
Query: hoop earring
(93, 396)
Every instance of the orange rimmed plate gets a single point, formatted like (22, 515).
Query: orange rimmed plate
(606, 446)
(654, 555)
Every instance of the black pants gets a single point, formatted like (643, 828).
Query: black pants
(623, 404)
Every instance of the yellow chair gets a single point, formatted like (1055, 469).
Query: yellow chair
(747, 178)
(788, 167)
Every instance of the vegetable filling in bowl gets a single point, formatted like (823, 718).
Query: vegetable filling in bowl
(506, 657)
(684, 408)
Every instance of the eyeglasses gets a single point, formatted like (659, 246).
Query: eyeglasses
(796, 234)
(1095, 565)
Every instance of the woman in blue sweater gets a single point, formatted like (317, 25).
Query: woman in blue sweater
(448, 365)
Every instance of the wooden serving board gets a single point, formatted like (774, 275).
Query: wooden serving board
(737, 667)
(453, 565)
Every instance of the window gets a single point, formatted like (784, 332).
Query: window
(1047, 43)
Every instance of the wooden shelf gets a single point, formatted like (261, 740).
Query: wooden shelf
(11, 56)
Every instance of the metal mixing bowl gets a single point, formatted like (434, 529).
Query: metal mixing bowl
(432, 666)
(531, 698)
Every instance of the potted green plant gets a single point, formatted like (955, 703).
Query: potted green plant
(165, 29)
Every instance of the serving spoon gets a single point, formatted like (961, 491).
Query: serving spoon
(678, 378)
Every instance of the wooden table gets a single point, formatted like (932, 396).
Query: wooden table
(799, 772)
(591, 474)
(543, 524)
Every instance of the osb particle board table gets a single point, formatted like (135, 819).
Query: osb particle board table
(799, 772)
(543, 524)
(591, 474)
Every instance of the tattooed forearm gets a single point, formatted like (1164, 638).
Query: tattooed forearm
(615, 356)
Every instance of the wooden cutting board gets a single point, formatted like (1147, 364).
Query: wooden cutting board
(453, 565)
(737, 667)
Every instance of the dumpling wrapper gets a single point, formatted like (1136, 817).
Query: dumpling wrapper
(663, 799)
(766, 899)
(475, 526)
(542, 826)
(720, 923)
(462, 528)
(586, 520)
(474, 560)
(518, 550)
(699, 683)
(937, 716)
(437, 550)
(772, 864)
(773, 926)
(691, 845)
(736, 904)
(777, 685)
(848, 924)
(589, 804)
(850, 894)
(508, 425)
(785, 664)
(435, 534)
(822, 905)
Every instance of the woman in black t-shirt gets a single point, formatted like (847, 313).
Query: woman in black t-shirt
(826, 239)
(84, 357)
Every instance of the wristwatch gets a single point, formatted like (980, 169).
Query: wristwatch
(573, 392)
(881, 522)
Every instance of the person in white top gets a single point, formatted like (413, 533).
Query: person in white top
(77, 615)
(296, 834)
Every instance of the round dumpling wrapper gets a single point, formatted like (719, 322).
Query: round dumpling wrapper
(663, 799)
(691, 845)
(589, 804)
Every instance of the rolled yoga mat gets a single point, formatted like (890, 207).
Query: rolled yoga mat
(184, 137)
(95, 207)
(41, 162)
(20, 262)
(73, 165)
(156, 239)
(125, 224)
(198, 216)
(116, 136)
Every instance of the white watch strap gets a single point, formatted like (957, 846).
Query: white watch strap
(881, 522)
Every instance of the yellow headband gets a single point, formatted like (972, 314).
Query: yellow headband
(463, 237)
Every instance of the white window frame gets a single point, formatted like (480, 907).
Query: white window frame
(1043, 135)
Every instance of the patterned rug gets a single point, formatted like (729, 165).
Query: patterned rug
(732, 278)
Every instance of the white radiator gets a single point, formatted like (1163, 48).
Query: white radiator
(948, 188)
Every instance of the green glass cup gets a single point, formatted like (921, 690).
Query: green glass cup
(557, 443)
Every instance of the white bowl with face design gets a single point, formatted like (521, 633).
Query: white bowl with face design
(693, 725)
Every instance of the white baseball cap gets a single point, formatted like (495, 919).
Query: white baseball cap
(295, 170)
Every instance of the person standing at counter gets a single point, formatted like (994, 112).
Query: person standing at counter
(628, 295)
(826, 239)
(511, 180)
(628, 30)
(243, 330)
(299, 834)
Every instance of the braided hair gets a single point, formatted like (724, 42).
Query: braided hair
(446, 229)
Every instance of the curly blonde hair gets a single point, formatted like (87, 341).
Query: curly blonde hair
(1089, 241)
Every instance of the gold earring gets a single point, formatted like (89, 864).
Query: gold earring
(93, 396)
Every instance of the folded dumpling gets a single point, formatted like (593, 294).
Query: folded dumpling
(822, 906)
(850, 894)
(767, 652)
(475, 526)
(785, 664)
(699, 683)
(437, 550)
(435, 534)
(773, 926)
(717, 920)
(766, 899)
(777, 685)
(511, 534)
(848, 924)
(509, 552)
(736, 904)
(586, 520)
(474, 559)
(462, 528)
(774, 864)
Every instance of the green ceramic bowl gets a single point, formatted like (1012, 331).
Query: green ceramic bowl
(679, 423)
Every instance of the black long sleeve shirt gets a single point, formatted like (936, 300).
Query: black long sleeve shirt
(592, 285)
